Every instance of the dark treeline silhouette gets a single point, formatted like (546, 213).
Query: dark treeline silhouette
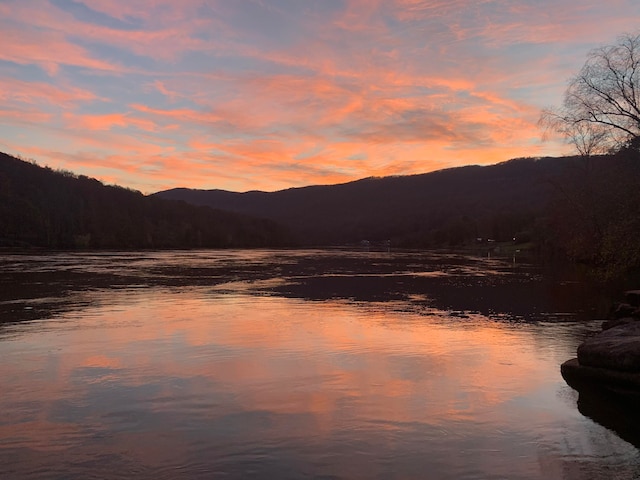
(585, 208)
(56, 209)
(594, 214)
(450, 207)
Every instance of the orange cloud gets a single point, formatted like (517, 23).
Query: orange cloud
(107, 122)
(24, 116)
(201, 95)
(25, 46)
(14, 90)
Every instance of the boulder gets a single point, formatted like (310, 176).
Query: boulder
(632, 297)
(622, 310)
(584, 378)
(606, 373)
(617, 348)
(616, 322)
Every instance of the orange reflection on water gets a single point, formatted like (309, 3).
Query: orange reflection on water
(289, 356)
(161, 376)
(102, 361)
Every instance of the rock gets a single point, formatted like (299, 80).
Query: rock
(623, 310)
(616, 322)
(617, 348)
(632, 297)
(581, 377)
(606, 373)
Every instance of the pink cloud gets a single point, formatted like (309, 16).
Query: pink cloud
(368, 88)
(25, 47)
(23, 116)
(162, 88)
(107, 122)
(50, 26)
(34, 93)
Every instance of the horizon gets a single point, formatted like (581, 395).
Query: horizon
(311, 185)
(282, 94)
(371, 177)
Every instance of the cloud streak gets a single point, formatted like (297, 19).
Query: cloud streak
(267, 95)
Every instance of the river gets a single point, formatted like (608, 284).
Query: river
(294, 364)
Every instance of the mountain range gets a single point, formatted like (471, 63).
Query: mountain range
(442, 208)
(42, 207)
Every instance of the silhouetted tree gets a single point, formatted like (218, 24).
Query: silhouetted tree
(594, 216)
(601, 106)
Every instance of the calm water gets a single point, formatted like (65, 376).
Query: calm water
(305, 364)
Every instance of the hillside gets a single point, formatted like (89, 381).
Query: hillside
(447, 207)
(40, 207)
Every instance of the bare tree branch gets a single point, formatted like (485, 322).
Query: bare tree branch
(601, 106)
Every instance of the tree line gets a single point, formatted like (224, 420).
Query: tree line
(40, 207)
(596, 210)
(585, 207)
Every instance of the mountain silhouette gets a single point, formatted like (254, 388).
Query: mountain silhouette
(40, 207)
(446, 207)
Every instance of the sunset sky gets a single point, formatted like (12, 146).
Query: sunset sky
(271, 94)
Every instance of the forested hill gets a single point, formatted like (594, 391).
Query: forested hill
(54, 209)
(447, 207)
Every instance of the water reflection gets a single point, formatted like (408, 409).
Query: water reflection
(38, 286)
(227, 378)
(617, 413)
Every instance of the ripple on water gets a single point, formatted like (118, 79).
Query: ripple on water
(230, 373)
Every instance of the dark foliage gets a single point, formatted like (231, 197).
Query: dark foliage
(57, 209)
(595, 213)
(586, 209)
(583, 208)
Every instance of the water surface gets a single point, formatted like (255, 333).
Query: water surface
(301, 364)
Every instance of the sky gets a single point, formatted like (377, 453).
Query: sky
(271, 94)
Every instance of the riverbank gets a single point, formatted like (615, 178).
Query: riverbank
(607, 370)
